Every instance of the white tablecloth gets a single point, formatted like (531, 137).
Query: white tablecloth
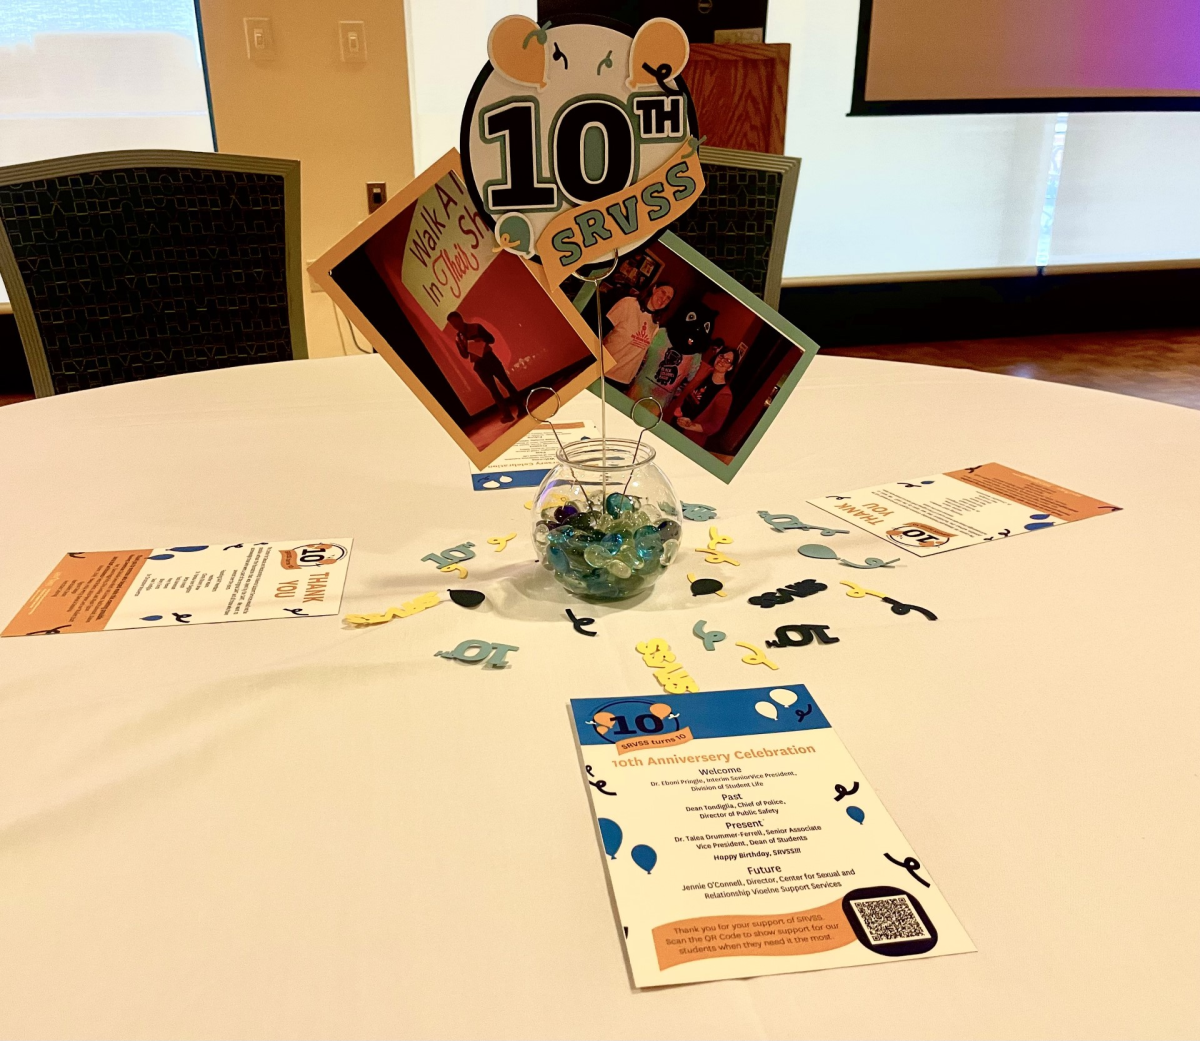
(292, 829)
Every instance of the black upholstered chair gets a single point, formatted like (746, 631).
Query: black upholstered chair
(127, 265)
(741, 220)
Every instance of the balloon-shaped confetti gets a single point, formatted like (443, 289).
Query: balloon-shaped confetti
(466, 597)
(765, 708)
(517, 48)
(855, 814)
(704, 586)
(514, 232)
(660, 711)
(659, 53)
(817, 552)
(610, 834)
(783, 696)
(644, 857)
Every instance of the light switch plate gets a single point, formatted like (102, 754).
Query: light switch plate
(353, 39)
(260, 40)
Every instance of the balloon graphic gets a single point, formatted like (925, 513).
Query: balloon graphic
(855, 814)
(517, 47)
(603, 721)
(1044, 518)
(765, 708)
(660, 710)
(162, 556)
(659, 53)
(514, 232)
(152, 618)
(818, 552)
(644, 857)
(783, 696)
(187, 549)
(610, 832)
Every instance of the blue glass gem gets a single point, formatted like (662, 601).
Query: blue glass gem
(560, 535)
(596, 555)
(616, 504)
(669, 529)
(559, 559)
(648, 547)
(563, 512)
(613, 541)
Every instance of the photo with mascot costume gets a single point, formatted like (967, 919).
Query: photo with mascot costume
(674, 355)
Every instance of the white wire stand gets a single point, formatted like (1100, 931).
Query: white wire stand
(595, 284)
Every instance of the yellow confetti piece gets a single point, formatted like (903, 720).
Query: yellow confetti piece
(858, 592)
(756, 657)
(421, 603)
(462, 571)
(715, 556)
(675, 679)
(500, 541)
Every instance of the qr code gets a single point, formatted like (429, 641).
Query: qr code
(889, 919)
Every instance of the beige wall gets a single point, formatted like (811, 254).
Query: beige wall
(346, 123)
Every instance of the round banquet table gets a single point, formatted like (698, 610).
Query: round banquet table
(297, 829)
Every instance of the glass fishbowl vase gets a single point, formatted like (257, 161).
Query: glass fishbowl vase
(606, 520)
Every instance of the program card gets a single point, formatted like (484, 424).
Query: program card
(741, 839)
(987, 503)
(530, 459)
(186, 585)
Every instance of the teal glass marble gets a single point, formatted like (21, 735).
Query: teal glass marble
(606, 520)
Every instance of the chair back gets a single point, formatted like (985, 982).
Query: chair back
(127, 265)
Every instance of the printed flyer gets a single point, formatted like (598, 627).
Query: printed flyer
(741, 840)
(530, 459)
(947, 511)
(186, 585)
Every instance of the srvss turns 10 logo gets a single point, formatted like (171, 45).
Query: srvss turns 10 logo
(312, 554)
(618, 720)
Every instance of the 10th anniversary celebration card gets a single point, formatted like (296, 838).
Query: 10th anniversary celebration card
(987, 503)
(186, 585)
(741, 840)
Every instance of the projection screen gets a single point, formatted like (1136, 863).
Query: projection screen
(946, 56)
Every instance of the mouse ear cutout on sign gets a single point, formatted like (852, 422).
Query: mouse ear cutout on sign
(517, 49)
(659, 53)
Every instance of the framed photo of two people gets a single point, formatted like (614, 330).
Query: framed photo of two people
(717, 360)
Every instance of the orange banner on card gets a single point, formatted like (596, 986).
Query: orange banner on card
(639, 744)
(818, 929)
(80, 595)
(1033, 492)
(587, 233)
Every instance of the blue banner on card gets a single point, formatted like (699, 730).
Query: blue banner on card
(493, 481)
(648, 722)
